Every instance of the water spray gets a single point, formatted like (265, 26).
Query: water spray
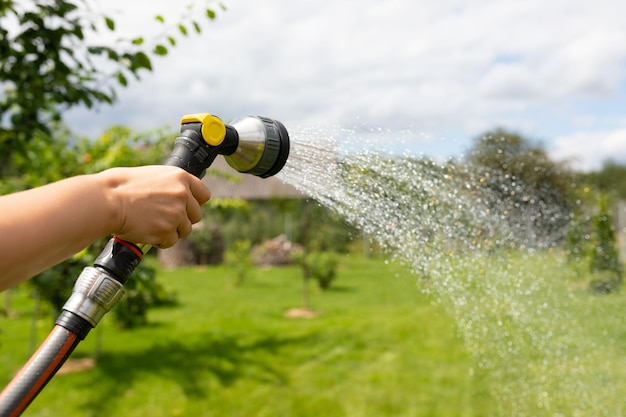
(251, 145)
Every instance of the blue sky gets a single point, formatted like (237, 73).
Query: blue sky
(445, 71)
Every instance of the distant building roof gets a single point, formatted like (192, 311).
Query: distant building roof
(225, 182)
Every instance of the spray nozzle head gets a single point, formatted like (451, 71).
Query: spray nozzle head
(262, 147)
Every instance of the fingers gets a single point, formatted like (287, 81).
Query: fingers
(200, 194)
(184, 229)
(194, 211)
(157, 205)
(167, 243)
(199, 190)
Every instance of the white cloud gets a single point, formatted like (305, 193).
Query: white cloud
(587, 151)
(438, 67)
(590, 64)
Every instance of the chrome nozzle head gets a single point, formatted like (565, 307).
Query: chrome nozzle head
(263, 146)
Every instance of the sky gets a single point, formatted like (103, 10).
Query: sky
(426, 75)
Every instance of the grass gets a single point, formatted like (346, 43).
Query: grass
(379, 347)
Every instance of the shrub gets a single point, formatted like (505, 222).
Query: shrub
(239, 259)
(208, 243)
(321, 266)
(142, 292)
(605, 256)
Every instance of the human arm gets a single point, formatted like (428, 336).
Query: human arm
(43, 226)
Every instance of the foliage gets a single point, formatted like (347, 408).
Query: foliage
(320, 266)
(45, 162)
(208, 243)
(324, 265)
(123, 146)
(141, 293)
(55, 284)
(520, 182)
(48, 64)
(604, 255)
(577, 243)
(329, 232)
(591, 243)
(259, 221)
(611, 178)
(239, 260)
(578, 240)
(209, 240)
(244, 220)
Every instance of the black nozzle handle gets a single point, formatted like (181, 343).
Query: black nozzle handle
(191, 152)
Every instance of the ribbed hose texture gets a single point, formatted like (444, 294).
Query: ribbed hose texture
(36, 373)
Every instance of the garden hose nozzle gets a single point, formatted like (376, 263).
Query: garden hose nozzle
(251, 145)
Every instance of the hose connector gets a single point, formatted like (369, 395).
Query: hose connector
(95, 293)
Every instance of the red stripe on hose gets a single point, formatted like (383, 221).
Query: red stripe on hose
(48, 372)
(130, 246)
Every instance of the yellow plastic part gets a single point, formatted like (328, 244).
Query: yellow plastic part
(213, 129)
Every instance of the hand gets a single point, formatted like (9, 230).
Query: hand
(156, 205)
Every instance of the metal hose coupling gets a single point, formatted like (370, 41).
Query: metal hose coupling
(95, 293)
(99, 287)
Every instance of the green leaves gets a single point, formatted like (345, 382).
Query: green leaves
(140, 60)
(182, 28)
(47, 64)
(160, 50)
(110, 23)
(121, 79)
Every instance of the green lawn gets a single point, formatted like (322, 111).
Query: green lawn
(379, 347)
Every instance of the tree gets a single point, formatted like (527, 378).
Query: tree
(611, 178)
(519, 183)
(604, 254)
(47, 65)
